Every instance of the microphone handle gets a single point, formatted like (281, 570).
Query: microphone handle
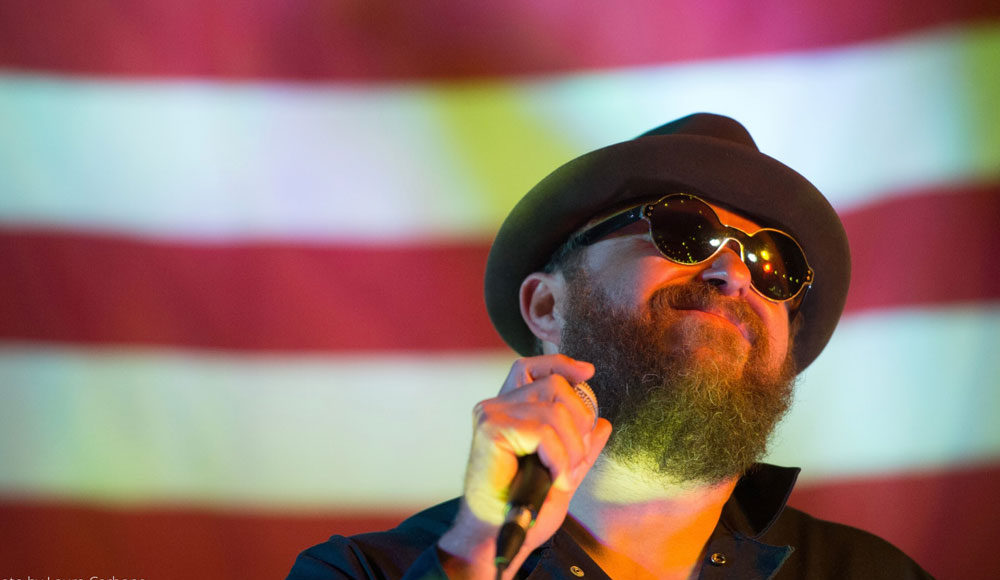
(528, 491)
(530, 485)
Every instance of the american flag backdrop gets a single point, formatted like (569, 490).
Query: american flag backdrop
(242, 248)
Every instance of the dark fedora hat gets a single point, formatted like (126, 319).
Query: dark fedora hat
(711, 156)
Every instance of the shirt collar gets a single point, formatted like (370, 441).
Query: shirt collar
(759, 498)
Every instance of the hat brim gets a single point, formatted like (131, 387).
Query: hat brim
(731, 174)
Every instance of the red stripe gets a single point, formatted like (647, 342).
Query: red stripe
(317, 39)
(65, 540)
(929, 248)
(78, 288)
(943, 520)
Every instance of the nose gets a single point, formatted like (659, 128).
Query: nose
(727, 272)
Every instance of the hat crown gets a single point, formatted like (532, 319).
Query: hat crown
(707, 125)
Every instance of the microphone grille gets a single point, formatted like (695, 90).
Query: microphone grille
(587, 395)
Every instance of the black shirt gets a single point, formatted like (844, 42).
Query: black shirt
(757, 536)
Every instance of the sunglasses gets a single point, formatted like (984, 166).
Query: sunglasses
(686, 230)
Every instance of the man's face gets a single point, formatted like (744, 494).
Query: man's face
(693, 366)
(627, 267)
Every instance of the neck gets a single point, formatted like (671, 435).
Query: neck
(637, 524)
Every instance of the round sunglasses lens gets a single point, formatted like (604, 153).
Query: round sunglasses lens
(777, 267)
(685, 230)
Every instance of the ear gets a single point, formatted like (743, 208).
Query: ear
(541, 296)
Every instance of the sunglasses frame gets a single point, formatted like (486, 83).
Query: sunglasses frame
(642, 211)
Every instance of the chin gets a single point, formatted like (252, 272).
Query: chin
(725, 366)
(723, 347)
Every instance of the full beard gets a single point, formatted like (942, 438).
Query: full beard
(688, 398)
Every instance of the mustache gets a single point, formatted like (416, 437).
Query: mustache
(703, 297)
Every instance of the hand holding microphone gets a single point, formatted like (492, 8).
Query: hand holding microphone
(537, 413)
(527, 493)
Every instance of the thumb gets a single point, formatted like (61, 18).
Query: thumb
(598, 439)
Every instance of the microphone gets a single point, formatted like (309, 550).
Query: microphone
(528, 491)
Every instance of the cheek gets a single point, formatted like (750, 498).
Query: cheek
(633, 274)
(609, 275)
(776, 321)
(633, 287)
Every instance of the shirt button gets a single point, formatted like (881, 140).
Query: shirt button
(718, 558)
(576, 571)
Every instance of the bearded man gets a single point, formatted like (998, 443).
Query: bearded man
(687, 278)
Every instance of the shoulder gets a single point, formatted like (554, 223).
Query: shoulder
(825, 549)
(386, 554)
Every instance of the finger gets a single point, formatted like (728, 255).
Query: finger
(571, 436)
(553, 454)
(519, 428)
(598, 439)
(555, 389)
(520, 425)
(528, 370)
(581, 401)
(559, 364)
(595, 441)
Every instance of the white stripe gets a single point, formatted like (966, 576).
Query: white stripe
(860, 122)
(229, 430)
(898, 390)
(385, 162)
(894, 391)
